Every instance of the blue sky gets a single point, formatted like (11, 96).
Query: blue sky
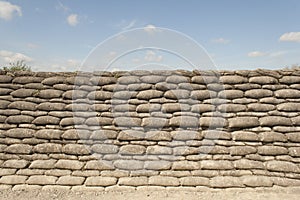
(53, 35)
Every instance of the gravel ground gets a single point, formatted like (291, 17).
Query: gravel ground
(148, 194)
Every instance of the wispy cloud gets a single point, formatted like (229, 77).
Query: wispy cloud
(290, 37)
(220, 41)
(8, 56)
(151, 56)
(72, 19)
(8, 10)
(256, 54)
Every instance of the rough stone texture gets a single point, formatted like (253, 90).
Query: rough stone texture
(244, 136)
(158, 165)
(184, 121)
(275, 121)
(48, 134)
(186, 135)
(202, 94)
(22, 105)
(260, 107)
(99, 165)
(5, 79)
(129, 164)
(47, 106)
(258, 93)
(41, 180)
(272, 137)
(47, 148)
(104, 148)
(216, 164)
(243, 122)
(70, 180)
(213, 122)
(174, 107)
(23, 93)
(257, 181)
(248, 164)
(293, 136)
(233, 79)
(49, 93)
(272, 150)
(19, 119)
(100, 181)
(69, 164)
(46, 120)
(242, 150)
(154, 122)
(177, 94)
(294, 151)
(231, 94)
(122, 131)
(194, 181)
(132, 149)
(13, 179)
(131, 135)
(42, 164)
(282, 166)
(19, 133)
(133, 181)
(185, 165)
(263, 80)
(76, 149)
(19, 149)
(158, 136)
(163, 181)
(16, 164)
(289, 107)
(149, 94)
(287, 93)
(159, 150)
(225, 182)
(127, 121)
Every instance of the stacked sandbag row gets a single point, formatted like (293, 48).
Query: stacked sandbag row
(159, 128)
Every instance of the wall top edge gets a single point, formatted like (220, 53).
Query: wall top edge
(245, 73)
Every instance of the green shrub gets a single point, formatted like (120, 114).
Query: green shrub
(17, 66)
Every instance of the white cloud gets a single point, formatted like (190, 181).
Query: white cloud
(9, 56)
(290, 37)
(256, 54)
(63, 65)
(7, 10)
(220, 41)
(72, 19)
(152, 57)
(150, 28)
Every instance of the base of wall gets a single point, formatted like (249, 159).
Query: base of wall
(34, 192)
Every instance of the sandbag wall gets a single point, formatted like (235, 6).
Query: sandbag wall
(150, 128)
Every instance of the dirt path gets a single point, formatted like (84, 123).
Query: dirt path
(232, 194)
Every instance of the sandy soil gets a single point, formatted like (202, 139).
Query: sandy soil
(235, 194)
